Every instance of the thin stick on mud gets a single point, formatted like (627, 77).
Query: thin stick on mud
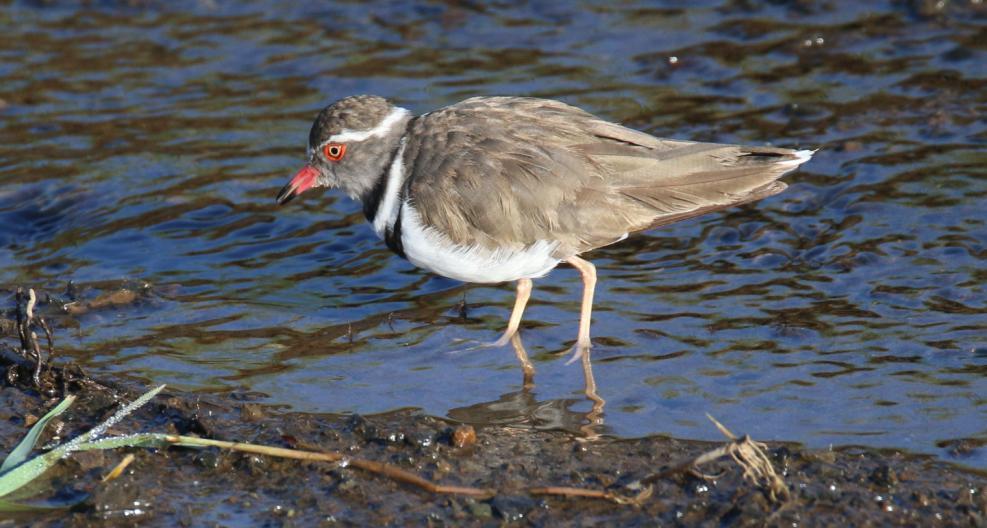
(27, 335)
(119, 468)
(565, 491)
(32, 299)
(50, 339)
(386, 470)
(400, 475)
(21, 316)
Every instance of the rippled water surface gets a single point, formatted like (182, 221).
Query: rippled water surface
(143, 143)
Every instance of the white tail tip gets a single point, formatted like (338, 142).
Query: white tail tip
(801, 156)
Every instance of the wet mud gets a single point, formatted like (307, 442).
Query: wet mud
(145, 141)
(638, 481)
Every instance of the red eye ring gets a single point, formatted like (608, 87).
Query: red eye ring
(334, 151)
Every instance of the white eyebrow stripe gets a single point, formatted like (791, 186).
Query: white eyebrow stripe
(387, 211)
(345, 136)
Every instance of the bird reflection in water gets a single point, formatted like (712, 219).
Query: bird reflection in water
(522, 409)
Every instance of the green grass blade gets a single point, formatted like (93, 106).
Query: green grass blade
(134, 440)
(101, 429)
(15, 507)
(12, 507)
(26, 472)
(23, 474)
(23, 449)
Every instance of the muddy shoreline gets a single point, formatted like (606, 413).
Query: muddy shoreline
(182, 486)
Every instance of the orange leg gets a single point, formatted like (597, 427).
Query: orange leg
(583, 344)
(523, 294)
(588, 271)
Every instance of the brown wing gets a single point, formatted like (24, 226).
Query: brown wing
(501, 172)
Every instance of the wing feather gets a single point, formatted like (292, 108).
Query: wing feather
(508, 172)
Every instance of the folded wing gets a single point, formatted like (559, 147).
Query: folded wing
(508, 172)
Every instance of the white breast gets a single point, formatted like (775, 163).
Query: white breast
(427, 248)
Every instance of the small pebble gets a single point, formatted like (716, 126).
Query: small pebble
(251, 412)
(884, 476)
(464, 436)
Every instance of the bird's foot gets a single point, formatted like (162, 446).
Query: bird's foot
(465, 345)
(522, 355)
(472, 345)
(503, 341)
(579, 350)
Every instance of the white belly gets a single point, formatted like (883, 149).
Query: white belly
(427, 248)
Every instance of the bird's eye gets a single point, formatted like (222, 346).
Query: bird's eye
(334, 151)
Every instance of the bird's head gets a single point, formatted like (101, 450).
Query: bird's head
(350, 146)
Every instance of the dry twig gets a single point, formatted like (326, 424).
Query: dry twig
(380, 468)
(747, 453)
(26, 322)
(565, 491)
(118, 469)
(751, 457)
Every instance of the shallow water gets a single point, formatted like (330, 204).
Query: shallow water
(144, 143)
